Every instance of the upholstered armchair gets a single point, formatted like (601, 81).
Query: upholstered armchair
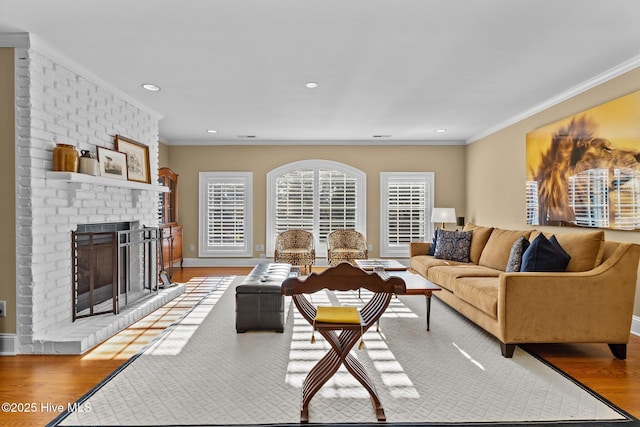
(296, 248)
(346, 245)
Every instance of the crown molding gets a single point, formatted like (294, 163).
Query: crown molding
(345, 142)
(568, 94)
(19, 40)
(41, 47)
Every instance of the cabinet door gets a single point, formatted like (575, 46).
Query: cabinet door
(168, 201)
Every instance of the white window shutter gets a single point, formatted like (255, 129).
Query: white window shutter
(406, 200)
(226, 214)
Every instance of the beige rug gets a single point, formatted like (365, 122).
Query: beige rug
(201, 372)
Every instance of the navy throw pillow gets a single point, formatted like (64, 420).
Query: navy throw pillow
(432, 248)
(545, 255)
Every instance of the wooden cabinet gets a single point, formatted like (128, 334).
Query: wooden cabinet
(171, 231)
(168, 201)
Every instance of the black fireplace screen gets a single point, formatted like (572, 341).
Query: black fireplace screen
(112, 268)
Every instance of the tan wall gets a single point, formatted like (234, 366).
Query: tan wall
(188, 161)
(163, 155)
(7, 177)
(496, 164)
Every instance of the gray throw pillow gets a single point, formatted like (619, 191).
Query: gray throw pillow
(515, 256)
(453, 245)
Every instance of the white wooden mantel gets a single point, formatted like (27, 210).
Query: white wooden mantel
(76, 180)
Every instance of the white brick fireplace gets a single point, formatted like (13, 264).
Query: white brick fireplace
(58, 102)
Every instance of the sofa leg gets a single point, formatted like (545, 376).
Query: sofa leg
(507, 350)
(619, 350)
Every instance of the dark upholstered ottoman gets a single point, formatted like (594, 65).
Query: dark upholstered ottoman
(259, 301)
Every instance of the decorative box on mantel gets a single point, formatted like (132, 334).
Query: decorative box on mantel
(76, 180)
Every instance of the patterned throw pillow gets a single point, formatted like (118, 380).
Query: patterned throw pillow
(453, 245)
(515, 256)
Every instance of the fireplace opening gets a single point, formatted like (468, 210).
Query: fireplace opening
(114, 264)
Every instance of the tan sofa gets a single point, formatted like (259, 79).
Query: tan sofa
(591, 302)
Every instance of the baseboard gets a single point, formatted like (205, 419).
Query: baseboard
(234, 262)
(8, 344)
(635, 326)
(245, 262)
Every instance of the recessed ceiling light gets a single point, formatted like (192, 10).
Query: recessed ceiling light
(312, 85)
(212, 131)
(440, 130)
(151, 87)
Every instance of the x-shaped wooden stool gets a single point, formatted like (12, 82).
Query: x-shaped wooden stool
(341, 336)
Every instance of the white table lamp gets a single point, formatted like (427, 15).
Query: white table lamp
(443, 215)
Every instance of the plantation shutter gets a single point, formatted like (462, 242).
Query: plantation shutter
(294, 201)
(406, 200)
(225, 213)
(337, 202)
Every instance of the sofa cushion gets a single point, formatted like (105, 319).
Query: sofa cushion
(453, 245)
(545, 255)
(480, 292)
(515, 256)
(421, 264)
(446, 276)
(496, 252)
(478, 240)
(585, 249)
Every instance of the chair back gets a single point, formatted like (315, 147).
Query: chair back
(346, 239)
(294, 239)
(343, 277)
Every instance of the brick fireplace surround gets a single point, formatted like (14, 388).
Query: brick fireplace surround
(58, 102)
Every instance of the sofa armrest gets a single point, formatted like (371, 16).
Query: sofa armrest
(591, 306)
(418, 248)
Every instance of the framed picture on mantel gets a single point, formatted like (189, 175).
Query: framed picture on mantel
(113, 164)
(137, 159)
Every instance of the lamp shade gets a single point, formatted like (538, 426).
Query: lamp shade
(443, 215)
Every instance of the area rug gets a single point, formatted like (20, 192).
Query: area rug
(201, 372)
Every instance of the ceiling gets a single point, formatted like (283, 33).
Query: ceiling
(399, 69)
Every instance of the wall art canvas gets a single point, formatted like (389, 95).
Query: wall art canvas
(584, 171)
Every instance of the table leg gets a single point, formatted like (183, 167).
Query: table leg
(428, 297)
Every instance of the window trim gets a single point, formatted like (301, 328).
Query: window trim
(316, 165)
(385, 178)
(245, 250)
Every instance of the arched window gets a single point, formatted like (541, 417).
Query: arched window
(315, 195)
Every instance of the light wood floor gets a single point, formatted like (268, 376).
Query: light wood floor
(38, 380)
